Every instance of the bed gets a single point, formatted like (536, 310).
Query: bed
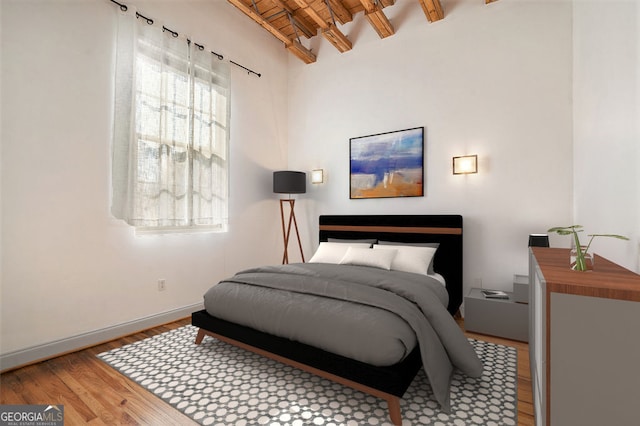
(387, 378)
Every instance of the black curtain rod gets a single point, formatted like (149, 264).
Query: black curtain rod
(140, 15)
(124, 8)
(248, 70)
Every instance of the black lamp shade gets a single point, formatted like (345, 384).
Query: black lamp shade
(538, 240)
(289, 182)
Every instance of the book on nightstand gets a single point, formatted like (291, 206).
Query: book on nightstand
(495, 294)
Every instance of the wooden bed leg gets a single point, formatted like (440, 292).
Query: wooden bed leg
(394, 410)
(200, 336)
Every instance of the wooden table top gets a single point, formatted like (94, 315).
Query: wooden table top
(608, 279)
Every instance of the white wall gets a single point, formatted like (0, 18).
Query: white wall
(68, 267)
(492, 80)
(607, 125)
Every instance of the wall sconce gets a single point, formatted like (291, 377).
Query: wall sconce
(466, 164)
(317, 176)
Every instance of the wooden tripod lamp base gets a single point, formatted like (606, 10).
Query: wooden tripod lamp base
(286, 231)
(289, 182)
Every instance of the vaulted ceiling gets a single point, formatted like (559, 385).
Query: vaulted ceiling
(291, 20)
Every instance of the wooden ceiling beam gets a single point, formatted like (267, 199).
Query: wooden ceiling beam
(301, 52)
(433, 10)
(292, 46)
(368, 5)
(307, 31)
(340, 12)
(329, 31)
(380, 22)
(288, 20)
(261, 21)
(377, 18)
(337, 38)
(311, 13)
(300, 23)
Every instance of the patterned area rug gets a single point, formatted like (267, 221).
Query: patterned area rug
(218, 384)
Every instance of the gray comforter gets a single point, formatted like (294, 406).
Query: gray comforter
(416, 300)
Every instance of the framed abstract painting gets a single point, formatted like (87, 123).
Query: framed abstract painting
(387, 165)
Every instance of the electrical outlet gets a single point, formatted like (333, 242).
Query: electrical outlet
(161, 285)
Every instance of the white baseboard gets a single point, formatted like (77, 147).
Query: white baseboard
(12, 360)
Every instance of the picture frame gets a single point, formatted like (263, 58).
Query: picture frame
(387, 165)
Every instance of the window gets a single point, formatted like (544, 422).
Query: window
(170, 150)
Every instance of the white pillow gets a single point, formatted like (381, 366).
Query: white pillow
(410, 258)
(434, 245)
(366, 257)
(334, 252)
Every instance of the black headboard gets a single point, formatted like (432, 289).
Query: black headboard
(443, 229)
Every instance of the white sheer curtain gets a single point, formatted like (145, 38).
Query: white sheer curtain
(171, 130)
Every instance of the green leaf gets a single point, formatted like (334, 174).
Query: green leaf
(574, 229)
(566, 230)
(620, 237)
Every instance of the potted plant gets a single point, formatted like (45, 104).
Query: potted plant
(580, 258)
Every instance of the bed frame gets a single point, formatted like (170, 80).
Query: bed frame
(388, 383)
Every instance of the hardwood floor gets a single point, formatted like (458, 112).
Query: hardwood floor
(94, 393)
